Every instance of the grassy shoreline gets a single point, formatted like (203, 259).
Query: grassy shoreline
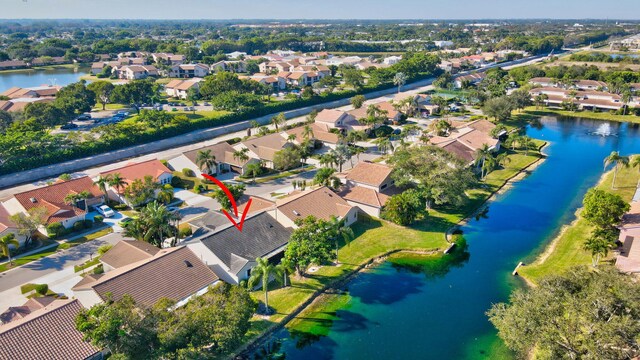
(46, 67)
(583, 114)
(375, 240)
(565, 250)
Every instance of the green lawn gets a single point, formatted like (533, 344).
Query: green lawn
(566, 250)
(583, 114)
(98, 107)
(374, 238)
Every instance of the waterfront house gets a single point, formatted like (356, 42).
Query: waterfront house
(628, 259)
(368, 186)
(321, 203)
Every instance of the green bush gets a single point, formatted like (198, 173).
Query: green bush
(55, 230)
(176, 182)
(188, 172)
(164, 162)
(383, 131)
(98, 269)
(98, 219)
(121, 207)
(184, 232)
(104, 248)
(200, 188)
(78, 226)
(42, 289)
(235, 140)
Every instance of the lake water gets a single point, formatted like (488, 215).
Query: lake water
(38, 77)
(400, 313)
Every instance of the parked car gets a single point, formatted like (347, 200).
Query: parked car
(186, 108)
(207, 104)
(125, 222)
(69, 126)
(106, 211)
(84, 117)
(172, 208)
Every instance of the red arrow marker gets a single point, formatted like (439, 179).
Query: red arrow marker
(233, 203)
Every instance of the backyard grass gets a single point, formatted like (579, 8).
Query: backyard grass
(566, 250)
(373, 238)
(583, 114)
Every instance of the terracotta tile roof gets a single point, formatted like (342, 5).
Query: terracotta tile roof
(365, 196)
(5, 221)
(388, 107)
(127, 252)
(133, 171)
(319, 132)
(476, 139)
(47, 333)
(629, 258)
(223, 153)
(460, 150)
(482, 125)
(322, 203)
(369, 173)
(360, 113)
(52, 198)
(330, 115)
(258, 204)
(174, 273)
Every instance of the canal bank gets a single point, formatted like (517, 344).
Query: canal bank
(395, 313)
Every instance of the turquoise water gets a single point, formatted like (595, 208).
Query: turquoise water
(400, 313)
(36, 77)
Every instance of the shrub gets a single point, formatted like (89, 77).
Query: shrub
(188, 172)
(98, 269)
(98, 219)
(65, 177)
(78, 226)
(104, 248)
(164, 162)
(176, 182)
(55, 230)
(42, 289)
(184, 232)
(87, 224)
(383, 131)
(199, 188)
(122, 206)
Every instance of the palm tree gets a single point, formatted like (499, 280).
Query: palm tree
(263, 271)
(598, 246)
(307, 132)
(626, 98)
(278, 120)
(5, 241)
(341, 155)
(285, 268)
(527, 144)
(635, 162)
(165, 195)
(503, 159)
(328, 160)
(383, 144)
(291, 138)
(618, 161)
(241, 155)
(482, 155)
(399, 80)
(102, 183)
(254, 170)
(341, 231)
(157, 220)
(206, 160)
(74, 198)
(117, 182)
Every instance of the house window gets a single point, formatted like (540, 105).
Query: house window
(248, 272)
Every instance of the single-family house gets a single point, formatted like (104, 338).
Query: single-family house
(168, 58)
(47, 332)
(238, 66)
(265, 147)
(321, 203)
(225, 160)
(135, 72)
(231, 254)
(7, 226)
(181, 88)
(52, 198)
(471, 79)
(19, 312)
(335, 119)
(137, 171)
(175, 273)
(368, 186)
(318, 131)
(277, 83)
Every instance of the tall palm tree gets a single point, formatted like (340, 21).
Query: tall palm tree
(206, 160)
(285, 268)
(626, 98)
(241, 155)
(253, 170)
(383, 144)
(263, 271)
(117, 182)
(157, 220)
(5, 241)
(278, 120)
(482, 154)
(307, 132)
(165, 195)
(399, 80)
(618, 161)
(341, 231)
(102, 183)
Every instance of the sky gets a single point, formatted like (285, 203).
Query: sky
(320, 9)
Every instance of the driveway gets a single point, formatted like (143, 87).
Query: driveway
(197, 205)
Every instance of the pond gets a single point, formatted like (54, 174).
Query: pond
(407, 312)
(38, 77)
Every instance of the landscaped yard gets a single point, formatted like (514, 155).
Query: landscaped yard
(566, 250)
(374, 238)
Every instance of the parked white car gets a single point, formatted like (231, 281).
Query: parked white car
(106, 211)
